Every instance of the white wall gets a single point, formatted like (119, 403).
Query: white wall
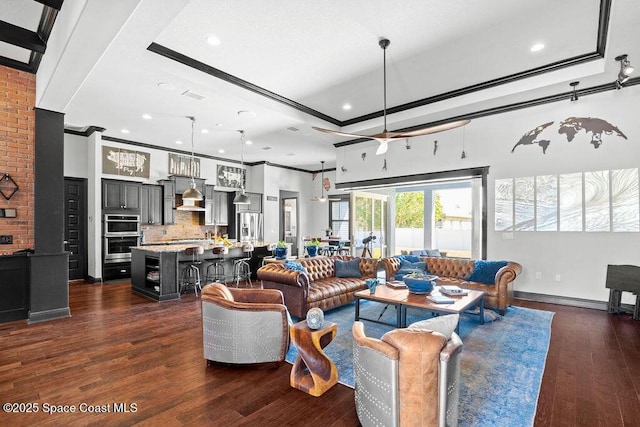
(579, 258)
(75, 156)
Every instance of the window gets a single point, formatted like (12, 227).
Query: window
(409, 221)
(339, 218)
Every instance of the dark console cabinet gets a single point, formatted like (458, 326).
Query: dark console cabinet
(14, 288)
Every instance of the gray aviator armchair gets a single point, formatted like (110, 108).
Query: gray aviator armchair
(243, 326)
(409, 377)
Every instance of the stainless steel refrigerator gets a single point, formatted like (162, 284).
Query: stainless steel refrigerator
(249, 227)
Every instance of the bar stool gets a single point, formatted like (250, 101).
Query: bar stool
(191, 271)
(215, 270)
(241, 267)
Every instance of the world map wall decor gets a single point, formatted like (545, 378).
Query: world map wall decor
(570, 127)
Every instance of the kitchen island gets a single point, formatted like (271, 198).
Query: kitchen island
(155, 268)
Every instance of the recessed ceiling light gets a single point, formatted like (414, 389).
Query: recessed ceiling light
(147, 116)
(205, 131)
(124, 130)
(244, 113)
(221, 151)
(166, 86)
(179, 142)
(248, 142)
(346, 107)
(537, 47)
(213, 40)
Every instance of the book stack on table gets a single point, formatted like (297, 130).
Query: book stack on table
(453, 291)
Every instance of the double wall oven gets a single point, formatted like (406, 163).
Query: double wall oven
(121, 232)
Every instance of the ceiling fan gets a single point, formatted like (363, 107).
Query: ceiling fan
(385, 136)
(322, 197)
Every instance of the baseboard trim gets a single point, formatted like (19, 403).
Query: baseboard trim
(43, 316)
(560, 300)
(92, 279)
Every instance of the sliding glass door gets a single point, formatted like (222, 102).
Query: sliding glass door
(369, 225)
(445, 216)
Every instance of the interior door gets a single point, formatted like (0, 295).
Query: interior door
(290, 223)
(75, 227)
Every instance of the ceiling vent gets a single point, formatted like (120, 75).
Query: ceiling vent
(293, 129)
(193, 95)
(266, 148)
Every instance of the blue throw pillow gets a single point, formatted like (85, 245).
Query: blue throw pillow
(346, 269)
(296, 266)
(485, 271)
(408, 258)
(407, 267)
(433, 252)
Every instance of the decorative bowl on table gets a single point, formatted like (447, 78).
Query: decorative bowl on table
(281, 253)
(419, 283)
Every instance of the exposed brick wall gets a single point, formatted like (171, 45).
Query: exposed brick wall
(17, 136)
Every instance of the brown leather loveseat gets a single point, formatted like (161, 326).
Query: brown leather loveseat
(319, 286)
(457, 271)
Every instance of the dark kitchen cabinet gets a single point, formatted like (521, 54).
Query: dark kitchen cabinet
(117, 195)
(151, 202)
(221, 208)
(118, 270)
(168, 201)
(209, 205)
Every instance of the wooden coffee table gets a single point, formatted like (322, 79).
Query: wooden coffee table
(402, 298)
(321, 373)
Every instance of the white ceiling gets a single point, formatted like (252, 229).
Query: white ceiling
(318, 54)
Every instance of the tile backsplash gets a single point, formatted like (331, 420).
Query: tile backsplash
(187, 226)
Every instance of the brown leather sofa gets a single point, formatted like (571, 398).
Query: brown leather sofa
(319, 287)
(453, 271)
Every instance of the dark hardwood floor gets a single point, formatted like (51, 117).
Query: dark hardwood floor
(120, 348)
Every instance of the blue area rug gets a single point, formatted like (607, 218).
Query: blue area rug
(502, 361)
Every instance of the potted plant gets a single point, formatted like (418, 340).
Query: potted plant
(312, 247)
(281, 250)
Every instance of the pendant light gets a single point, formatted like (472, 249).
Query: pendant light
(322, 197)
(191, 195)
(241, 199)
